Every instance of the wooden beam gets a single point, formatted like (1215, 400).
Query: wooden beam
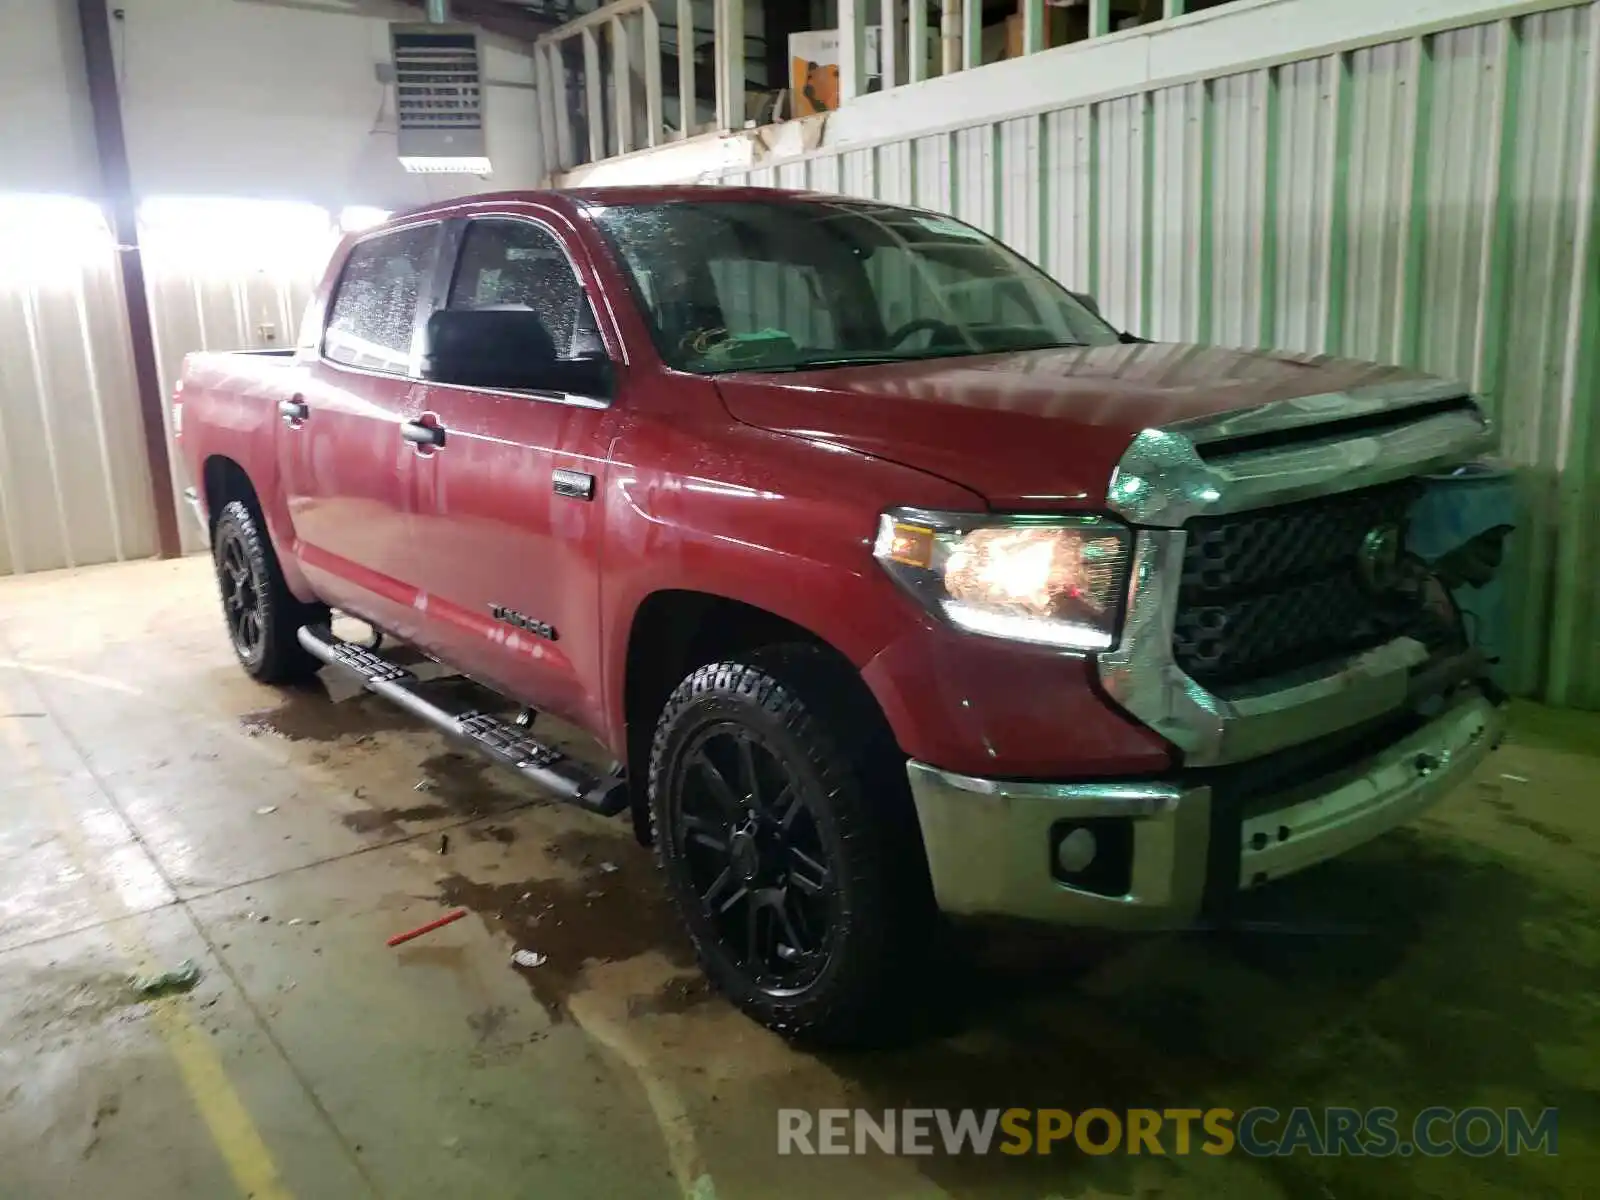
(889, 42)
(1033, 26)
(116, 181)
(917, 42)
(730, 63)
(686, 96)
(852, 49)
(971, 34)
(622, 84)
(561, 97)
(652, 76)
(594, 96)
(949, 36)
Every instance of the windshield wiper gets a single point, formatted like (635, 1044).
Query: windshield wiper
(841, 360)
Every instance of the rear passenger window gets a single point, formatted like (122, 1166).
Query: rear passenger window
(517, 264)
(375, 307)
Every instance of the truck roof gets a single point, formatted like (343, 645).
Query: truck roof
(635, 194)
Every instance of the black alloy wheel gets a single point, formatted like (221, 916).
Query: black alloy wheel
(755, 857)
(241, 595)
(785, 830)
(262, 615)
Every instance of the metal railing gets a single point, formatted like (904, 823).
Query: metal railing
(600, 76)
(600, 79)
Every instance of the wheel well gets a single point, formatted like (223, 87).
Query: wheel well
(225, 480)
(676, 631)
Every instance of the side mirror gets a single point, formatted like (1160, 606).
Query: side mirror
(505, 348)
(1093, 305)
(1089, 302)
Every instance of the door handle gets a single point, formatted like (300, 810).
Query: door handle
(293, 409)
(422, 435)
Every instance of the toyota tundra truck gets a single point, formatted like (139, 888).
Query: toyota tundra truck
(897, 583)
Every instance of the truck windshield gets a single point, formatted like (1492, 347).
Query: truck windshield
(785, 286)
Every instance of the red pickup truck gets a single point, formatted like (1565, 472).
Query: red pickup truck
(897, 581)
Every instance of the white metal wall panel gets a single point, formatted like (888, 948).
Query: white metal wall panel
(1459, 197)
(1303, 214)
(933, 175)
(794, 174)
(1068, 183)
(1122, 125)
(857, 177)
(825, 173)
(893, 178)
(975, 168)
(1540, 318)
(1177, 208)
(1021, 197)
(1382, 82)
(73, 484)
(1239, 160)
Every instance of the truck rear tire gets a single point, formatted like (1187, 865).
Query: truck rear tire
(785, 830)
(262, 615)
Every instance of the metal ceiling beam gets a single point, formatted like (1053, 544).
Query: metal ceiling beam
(116, 183)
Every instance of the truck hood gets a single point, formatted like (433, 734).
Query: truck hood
(1038, 428)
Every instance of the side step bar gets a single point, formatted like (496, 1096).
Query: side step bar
(500, 740)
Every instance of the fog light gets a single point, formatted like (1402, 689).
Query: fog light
(1076, 851)
(1093, 854)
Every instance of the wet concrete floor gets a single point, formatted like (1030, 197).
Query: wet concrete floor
(157, 807)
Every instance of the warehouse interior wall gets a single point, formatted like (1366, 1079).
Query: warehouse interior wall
(251, 126)
(242, 98)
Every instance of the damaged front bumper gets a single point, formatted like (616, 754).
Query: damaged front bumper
(1153, 855)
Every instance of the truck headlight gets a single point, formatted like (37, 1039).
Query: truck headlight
(1054, 580)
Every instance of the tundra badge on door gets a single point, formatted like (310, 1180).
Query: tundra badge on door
(511, 617)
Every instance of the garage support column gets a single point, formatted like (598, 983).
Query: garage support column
(117, 186)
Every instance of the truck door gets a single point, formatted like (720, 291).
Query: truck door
(346, 466)
(506, 515)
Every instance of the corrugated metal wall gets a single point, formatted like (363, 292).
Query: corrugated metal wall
(73, 483)
(1429, 202)
(74, 486)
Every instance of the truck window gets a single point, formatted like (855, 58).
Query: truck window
(741, 285)
(375, 309)
(519, 264)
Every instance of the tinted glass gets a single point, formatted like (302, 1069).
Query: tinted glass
(786, 285)
(517, 264)
(375, 308)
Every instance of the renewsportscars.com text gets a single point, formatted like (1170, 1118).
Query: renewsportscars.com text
(1259, 1132)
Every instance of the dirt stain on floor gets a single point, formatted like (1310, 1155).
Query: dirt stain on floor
(453, 785)
(679, 994)
(308, 715)
(614, 910)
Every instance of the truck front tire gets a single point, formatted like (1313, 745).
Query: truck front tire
(262, 615)
(785, 831)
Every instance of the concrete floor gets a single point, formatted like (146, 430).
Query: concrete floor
(157, 806)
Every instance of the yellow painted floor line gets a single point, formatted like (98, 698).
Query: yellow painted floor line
(226, 1119)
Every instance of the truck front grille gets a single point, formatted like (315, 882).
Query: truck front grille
(1275, 590)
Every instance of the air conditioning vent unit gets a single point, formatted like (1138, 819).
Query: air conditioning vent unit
(438, 99)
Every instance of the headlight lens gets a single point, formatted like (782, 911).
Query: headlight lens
(1057, 581)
